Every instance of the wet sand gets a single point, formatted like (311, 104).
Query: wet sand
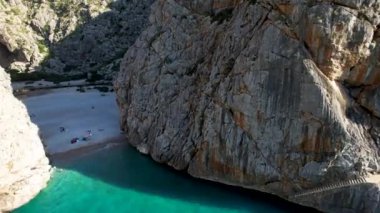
(86, 150)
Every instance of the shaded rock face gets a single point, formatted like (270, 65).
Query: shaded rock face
(100, 43)
(278, 96)
(24, 168)
(69, 37)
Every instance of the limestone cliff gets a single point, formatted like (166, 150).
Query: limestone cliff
(71, 36)
(24, 168)
(274, 95)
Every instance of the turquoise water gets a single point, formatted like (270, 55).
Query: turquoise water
(121, 180)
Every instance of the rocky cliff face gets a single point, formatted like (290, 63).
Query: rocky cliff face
(278, 96)
(71, 36)
(24, 168)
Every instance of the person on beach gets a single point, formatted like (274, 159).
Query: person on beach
(87, 136)
(74, 140)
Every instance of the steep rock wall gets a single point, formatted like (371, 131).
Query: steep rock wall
(24, 168)
(278, 96)
(71, 36)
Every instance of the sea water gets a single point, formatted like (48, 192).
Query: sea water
(120, 179)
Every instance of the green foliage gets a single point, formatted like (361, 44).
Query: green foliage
(2, 3)
(69, 68)
(95, 77)
(62, 6)
(43, 49)
(16, 11)
(116, 66)
(46, 28)
(36, 76)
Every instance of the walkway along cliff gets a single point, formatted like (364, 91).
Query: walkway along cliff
(277, 96)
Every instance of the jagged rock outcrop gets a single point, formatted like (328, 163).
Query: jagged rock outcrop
(278, 96)
(24, 168)
(69, 37)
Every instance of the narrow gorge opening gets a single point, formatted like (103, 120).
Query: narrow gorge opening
(223, 90)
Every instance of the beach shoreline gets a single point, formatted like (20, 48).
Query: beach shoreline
(86, 150)
(73, 122)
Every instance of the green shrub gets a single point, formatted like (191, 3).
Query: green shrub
(95, 77)
(16, 11)
(37, 76)
(43, 49)
(69, 68)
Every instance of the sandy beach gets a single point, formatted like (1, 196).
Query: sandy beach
(64, 114)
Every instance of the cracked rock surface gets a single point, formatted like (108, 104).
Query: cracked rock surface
(24, 168)
(274, 95)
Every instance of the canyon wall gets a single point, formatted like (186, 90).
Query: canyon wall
(69, 37)
(273, 95)
(24, 168)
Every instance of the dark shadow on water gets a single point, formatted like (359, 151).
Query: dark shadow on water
(124, 167)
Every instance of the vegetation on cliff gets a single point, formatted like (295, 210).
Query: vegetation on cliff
(69, 36)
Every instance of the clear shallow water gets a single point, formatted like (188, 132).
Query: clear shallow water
(121, 180)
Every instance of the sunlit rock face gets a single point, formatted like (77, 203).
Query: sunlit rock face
(24, 168)
(69, 37)
(277, 96)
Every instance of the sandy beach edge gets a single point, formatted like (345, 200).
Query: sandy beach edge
(75, 152)
(85, 150)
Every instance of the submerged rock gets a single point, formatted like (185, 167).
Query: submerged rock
(24, 168)
(258, 94)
